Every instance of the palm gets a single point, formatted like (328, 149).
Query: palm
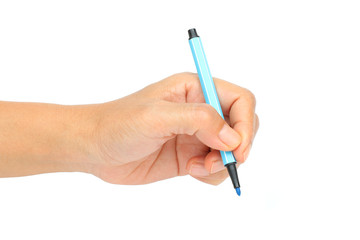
(166, 162)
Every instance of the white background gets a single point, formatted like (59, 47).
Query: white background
(300, 58)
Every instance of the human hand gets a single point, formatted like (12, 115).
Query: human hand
(167, 130)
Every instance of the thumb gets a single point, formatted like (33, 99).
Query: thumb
(202, 120)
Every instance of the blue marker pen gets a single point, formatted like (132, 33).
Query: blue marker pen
(209, 91)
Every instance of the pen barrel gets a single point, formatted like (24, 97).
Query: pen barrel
(208, 86)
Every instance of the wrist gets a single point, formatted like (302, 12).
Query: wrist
(77, 131)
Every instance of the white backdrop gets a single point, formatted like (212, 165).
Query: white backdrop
(301, 59)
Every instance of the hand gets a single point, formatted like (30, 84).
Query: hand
(167, 130)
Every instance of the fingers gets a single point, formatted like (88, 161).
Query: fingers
(248, 148)
(204, 166)
(237, 103)
(197, 119)
(196, 168)
(207, 169)
(210, 169)
(238, 106)
(213, 162)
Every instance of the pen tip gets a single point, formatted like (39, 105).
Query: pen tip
(238, 191)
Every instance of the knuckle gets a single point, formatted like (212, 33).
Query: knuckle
(188, 74)
(250, 97)
(178, 79)
(183, 75)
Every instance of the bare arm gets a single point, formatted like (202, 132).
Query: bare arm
(40, 138)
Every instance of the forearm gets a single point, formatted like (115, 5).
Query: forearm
(40, 138)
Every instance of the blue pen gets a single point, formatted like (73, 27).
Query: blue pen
(209, 91)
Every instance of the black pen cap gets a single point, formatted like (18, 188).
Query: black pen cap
(192, 33)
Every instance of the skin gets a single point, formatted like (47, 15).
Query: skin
(161, 131)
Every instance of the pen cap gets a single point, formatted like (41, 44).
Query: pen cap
(192, 33)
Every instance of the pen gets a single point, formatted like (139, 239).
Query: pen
(209, 91)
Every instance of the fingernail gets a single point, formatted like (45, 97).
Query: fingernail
(198, 169)
(229, 136)
(217, 166)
